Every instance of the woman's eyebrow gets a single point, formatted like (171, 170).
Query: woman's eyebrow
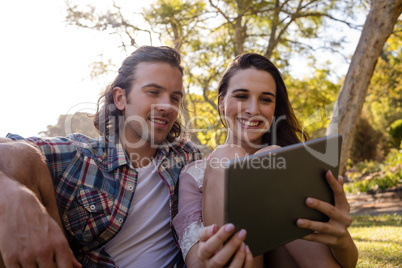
(246, 90)
(240, 90)
(268, 93)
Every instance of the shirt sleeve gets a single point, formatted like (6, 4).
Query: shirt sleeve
(188, 221)
(59, 151)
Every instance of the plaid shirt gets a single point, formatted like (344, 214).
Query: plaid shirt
(95, 184)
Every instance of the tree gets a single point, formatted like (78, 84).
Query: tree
(312, 100)
(210, 33)
(378, 27)
(68, 124)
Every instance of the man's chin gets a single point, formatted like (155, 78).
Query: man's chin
(157, 141)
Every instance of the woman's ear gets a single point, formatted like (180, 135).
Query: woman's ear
(119, 98)
(221, 106)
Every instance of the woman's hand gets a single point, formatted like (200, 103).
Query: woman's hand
(214, 253)
(333, 233)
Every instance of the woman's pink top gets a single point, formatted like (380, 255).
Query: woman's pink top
(188, 222)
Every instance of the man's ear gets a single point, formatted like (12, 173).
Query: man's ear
(119, 98)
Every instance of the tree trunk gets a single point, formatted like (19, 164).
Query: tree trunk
(378, 27)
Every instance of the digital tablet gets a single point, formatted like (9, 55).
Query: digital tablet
(265, 193)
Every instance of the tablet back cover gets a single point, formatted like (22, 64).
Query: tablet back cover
(265, 193)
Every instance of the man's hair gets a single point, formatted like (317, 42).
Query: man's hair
(288, 130)
(107, 115)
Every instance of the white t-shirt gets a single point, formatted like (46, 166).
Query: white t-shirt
(146, 239)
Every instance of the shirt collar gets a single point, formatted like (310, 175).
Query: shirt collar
(116, 155)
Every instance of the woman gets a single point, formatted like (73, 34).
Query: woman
(254, 104)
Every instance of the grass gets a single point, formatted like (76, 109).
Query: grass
(379, 240)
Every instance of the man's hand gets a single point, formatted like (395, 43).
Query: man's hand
(29, 236)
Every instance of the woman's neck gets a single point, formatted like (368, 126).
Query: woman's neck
(247, 146)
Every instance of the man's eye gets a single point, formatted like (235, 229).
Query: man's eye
(153, 92)
(176, 99)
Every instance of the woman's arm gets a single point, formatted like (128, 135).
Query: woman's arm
(214, 182)
(189, 227)
(212, 203)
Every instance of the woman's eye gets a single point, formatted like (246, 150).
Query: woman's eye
(266, 100)
(242, 97)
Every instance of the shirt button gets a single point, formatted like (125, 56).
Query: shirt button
(96, 243)
(130, 187)
(92, 207)
(120, 220)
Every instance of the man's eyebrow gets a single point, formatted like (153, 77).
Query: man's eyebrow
(153, 85)
(246, 90)
(179, 92)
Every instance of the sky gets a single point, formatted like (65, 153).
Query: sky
(45, 64)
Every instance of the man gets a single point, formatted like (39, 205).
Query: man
(140, 150)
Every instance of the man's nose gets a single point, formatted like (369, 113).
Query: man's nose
(164, 104)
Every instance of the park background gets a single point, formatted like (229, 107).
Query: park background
(57, 57)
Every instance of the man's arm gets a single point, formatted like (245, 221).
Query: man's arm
(30, 233)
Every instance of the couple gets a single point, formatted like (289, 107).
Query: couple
(70, 201)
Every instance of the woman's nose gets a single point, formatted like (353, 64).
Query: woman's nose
(252, 107)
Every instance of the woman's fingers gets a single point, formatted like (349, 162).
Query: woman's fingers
(227, 251)
(216, 249)
(240, 257)
(324, 207)
(249, 263)
(207, 232)
(322, 227)
(329, 240)
(339, 194)
(212, 243)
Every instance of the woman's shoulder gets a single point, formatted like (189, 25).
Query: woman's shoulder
(229, 151)
(195, 170)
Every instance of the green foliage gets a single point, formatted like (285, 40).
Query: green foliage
(395, 130)
(176, 20)
(383, 104)
(312, 100)
(371, 176)
(204, 123)
(68, 124)
(378, 239)
(365, 144)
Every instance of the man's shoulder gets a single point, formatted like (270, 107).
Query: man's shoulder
(85, 141)
(75, 137)
(67, 144)
(184, 145)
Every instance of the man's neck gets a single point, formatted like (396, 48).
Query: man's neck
(141, 156)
